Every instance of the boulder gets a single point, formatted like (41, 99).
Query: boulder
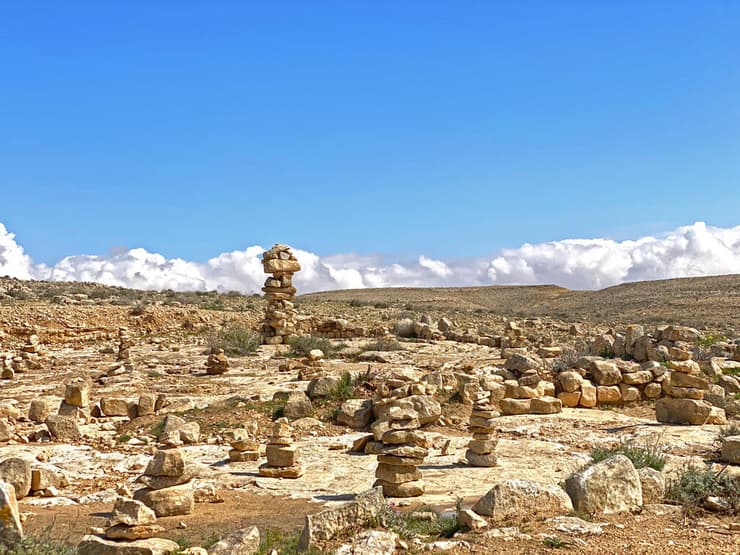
(11, 531)
(177, 500)
(63, 428)
(653, 485)
(39, 410)
(363, 510)
(166, 462)
(514, 406)
(605, 372)
(682, 411)
(111, 406)
(94, 545)
(519, 362)
(131, 513)
(523, 499)
(297, 406)
(545, 405)
(356, 413)
(610, 486)
(240, 542)
(6, 432)
(428, 408)
(731, 450)
(17, 472)
(570, 381)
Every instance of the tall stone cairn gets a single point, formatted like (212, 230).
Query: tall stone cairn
(481, 449)
(283, 458)
(124, 345)
(280, 314)
(401, 448)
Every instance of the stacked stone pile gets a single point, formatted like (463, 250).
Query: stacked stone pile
(76, 402)
(528, 393)
(124, 346)
(684, 403)
(481, 449)
(666, 343)
(401, 449)
(217, 363)
(168, 484)
(6, 366)
(283, 458)
(29, 358)
(280, 315)
(244, 447)
(312, 366)
(338, 328)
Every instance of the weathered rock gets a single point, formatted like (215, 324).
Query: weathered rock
(240, 542)
(297, 406)
(610, 486)
(370, 542)
(11, 531)
(177, 500)
(406, 489)
(279, 455)
(63, 428)
(356, 413)
(6, 432)
(523, 499)
(589, 395)
(469, 520)
(39, 410)
(131, 513)
(428, 408)
(136, 532)
(570, 381)
(94, 545)
(731, 449)
(519, 362)
(545, 405)
(682, 411)
(78, 393)
(605, 373)
(514, 406)
(111, 406)
(166, 462)
(17, 472)
(330, 523)
(652, 483)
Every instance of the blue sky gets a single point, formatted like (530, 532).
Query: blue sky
(443, 128)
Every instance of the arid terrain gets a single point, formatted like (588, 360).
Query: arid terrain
(136, 373)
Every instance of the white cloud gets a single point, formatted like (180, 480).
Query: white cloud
(692, 250)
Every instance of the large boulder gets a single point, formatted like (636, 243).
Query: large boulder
(63, 428)
(11, 531)
(682, 411)
(330, 523)
(427, 407)
(731, 450)
(173, 501)
(610, 486)
(297, 406)
(17, 472)
(356, 413)
(605, 372)
(523, 499)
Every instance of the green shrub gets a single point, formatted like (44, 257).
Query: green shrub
(384, 344)
(648, 455)
(694, 485)
(303, 344)
(39, 546)
(422, 521)
(235, 340)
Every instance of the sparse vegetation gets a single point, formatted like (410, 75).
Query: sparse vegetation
(642, 456)
(285, 543)
(728, 431)
(235, 339)
(123, 438)
(422, 521)
(694, 486)
(303, 344)
(384, 344)
(554, 542)
(39, 546)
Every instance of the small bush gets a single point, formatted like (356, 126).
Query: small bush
(416, 523)
(649, 455)
(303, 344)
(553, 542)
(693, 486)
(235, 340)
(39, 546)
(384, 344)
(285, 543)
(123, 438)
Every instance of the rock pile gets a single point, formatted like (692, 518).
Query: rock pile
(124, 346)
(217, 363)
(401, 449)
(168, 488)
(280, 315)
(481, 449)
(283, 459)
(76, 402)
(132, 520)
(313, 365)
(6, 366)
(685, 403)
(528, 393)
(244, 447)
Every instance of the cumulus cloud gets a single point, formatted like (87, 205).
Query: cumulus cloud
(693, 250)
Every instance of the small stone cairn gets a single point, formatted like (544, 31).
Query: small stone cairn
(313, 366)
(124, 346)
(280, 315)
(283, 459)
(244, 447)
(400, 448)
(6, 366)
(481, 449)
(28, 359)
(217, 363)
(168, 484)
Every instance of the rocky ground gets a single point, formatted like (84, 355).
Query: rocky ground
(172, 335)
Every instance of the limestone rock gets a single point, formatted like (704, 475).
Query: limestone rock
(94, 545)
(605, 373)
(653, 485)
(39, 410)
(332, 522)
(610, 486)
(731, 450)
(17, 472)
(11, 530)
(297, 406)
(682, 411)
(131, 513)
(63, 428)
(240, 542)
(523, 499)
(173, 501)
(166, 462)
(136, 532)
(355, 413)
